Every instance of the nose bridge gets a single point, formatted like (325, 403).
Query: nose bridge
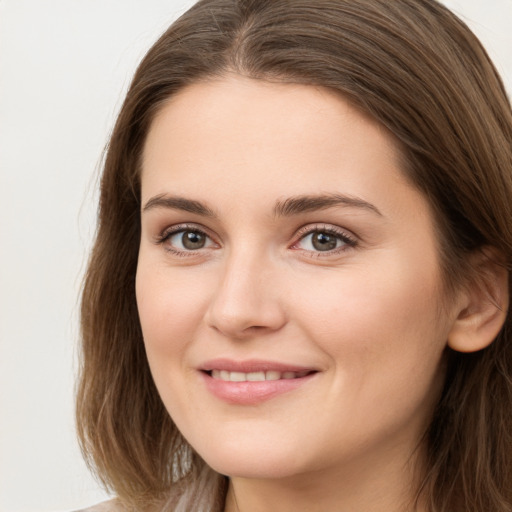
(246, 299)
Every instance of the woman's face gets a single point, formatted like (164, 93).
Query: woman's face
(288, 282)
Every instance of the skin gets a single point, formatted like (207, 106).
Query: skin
(367, 315)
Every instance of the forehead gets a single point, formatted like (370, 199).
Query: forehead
(262, 108)
(237, 131)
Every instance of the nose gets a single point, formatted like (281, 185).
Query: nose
(247, 299)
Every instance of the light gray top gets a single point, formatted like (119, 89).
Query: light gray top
(105, 506)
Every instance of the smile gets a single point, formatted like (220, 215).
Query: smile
(260, 376)
(252, 382)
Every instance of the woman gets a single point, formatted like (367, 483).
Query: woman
(298, 295)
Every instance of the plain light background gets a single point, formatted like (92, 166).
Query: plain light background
(64, 68)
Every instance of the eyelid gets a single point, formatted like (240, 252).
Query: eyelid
(169, 231)
(349, 239)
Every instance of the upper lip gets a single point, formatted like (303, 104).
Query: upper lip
(252, 365)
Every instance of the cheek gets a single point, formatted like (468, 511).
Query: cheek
(380, 327)
(385, 341)
(170, 312)
(170, 306)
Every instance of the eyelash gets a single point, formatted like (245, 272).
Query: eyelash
(348, 240)
(174, 230)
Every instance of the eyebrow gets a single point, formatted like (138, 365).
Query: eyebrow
(307, 203)
(285, 208)
(178, 203)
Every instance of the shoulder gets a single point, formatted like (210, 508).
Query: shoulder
(105, 506)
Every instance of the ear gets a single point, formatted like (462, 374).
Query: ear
(485, 300)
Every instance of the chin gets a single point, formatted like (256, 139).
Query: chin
(252, 462)
(254, 469)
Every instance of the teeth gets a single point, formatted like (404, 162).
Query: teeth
(272, 375)
(255, 376)
(237, 377)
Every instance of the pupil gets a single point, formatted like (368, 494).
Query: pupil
(324, 242)
(193, 240)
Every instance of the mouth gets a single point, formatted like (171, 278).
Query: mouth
(253, 382)
(258, 376)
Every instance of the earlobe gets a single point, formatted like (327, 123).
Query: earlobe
(485, 304)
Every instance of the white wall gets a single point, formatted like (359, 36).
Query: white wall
(64, 66)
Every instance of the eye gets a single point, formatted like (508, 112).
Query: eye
(188, 240)
(320, 241)
(324, 240)
(180, 239)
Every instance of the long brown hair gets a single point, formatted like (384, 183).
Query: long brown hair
(420, 72)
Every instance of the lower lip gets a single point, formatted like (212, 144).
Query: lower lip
(249, 392)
